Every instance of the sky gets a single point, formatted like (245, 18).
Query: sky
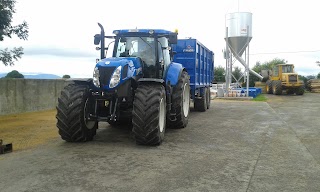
(61, 32)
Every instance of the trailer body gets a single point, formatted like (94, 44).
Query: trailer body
(199, 62)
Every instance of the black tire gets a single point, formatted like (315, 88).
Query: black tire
(269, 87)
(200, 104)
(277, 87)
(181, 102)
(208, 98)
(149, 114)
(300, 91)
(71, 114)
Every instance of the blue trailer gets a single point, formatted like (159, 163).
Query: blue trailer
(147, 84)
(199, 63)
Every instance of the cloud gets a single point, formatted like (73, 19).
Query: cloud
(58, 52)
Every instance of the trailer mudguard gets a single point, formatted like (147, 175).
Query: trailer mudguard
(173, 73)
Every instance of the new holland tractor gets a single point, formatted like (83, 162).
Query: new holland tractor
(139, 86)
(283, 77)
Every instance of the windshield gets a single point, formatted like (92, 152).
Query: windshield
(287, 69)
(142, 47)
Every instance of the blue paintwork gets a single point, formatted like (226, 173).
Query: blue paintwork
(191, 55)
(199, 62)
(253, 91)
(173, 73)
(134, 67)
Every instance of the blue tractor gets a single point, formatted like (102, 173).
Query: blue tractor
(138, 86)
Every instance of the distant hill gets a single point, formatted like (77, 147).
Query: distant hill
(36, 76)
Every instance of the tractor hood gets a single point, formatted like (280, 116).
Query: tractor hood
(128, 67)
(117, 61)
(290, 77)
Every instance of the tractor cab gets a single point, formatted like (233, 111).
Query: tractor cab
(288, 68)
(283, 68)
(150, 46)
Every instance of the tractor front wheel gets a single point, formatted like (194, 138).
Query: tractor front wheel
(269, 87)
(72, 114)
(277, 87)
(149, 114)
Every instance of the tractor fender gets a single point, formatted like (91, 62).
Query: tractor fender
(173, 73)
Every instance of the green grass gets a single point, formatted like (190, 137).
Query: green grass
(260, 97)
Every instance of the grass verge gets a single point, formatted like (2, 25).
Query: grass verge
(260, 97)
(28, 130)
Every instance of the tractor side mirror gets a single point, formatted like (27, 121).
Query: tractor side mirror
(173, 38)
(97, 39)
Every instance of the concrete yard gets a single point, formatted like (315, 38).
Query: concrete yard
(234, 146)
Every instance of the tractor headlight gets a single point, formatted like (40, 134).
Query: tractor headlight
(96, 77)
(115, 78)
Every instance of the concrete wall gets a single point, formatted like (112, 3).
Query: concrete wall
(25, 95)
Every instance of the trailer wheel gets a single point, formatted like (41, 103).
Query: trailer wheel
(149, 114)
(269, 87)
(300, 91)
(181, 102)
(277, 88)
(200, 104)
(72, 114)
(208, 98)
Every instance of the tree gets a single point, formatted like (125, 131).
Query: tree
(236, 73)
(318, 63)
(268, 65)
(311, 77)
(318, 76)
(219, 74)
(7, 10)
(66, 76)
(14, 74)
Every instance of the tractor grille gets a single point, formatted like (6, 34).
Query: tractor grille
(293, 78)
(124, 72)
(105, 75)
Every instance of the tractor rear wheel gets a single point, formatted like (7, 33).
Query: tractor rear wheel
(277, 87)
(200, 104)
(300, 91)
(269, 87)
(181, 102)
(149, 114)
(72, 115)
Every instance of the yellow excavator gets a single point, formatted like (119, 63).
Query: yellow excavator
(283, 78)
